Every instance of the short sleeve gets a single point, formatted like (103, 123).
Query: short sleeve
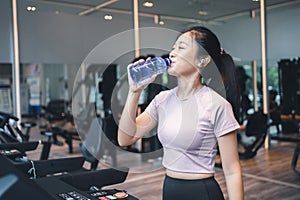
(152, 109)
(158, 101)
(224, 120)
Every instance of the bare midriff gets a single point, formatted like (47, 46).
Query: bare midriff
(188, 176)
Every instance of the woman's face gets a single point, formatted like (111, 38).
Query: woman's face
(184, 56)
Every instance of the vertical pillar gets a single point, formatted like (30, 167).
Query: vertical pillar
(136, 44)
(264, 63)
(136, 28)
(16, 63)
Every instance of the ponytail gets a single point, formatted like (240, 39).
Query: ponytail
(221, 77)
(229, 79)
(222, 64)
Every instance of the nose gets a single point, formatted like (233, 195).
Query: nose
(172, 54)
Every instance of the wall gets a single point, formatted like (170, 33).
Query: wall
(46, 37)
(241, 37)
(50, 38)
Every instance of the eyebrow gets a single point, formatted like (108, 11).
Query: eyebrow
(181, 42)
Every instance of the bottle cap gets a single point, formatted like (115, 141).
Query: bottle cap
(168, 61)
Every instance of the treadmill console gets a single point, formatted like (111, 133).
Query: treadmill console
(68, 187)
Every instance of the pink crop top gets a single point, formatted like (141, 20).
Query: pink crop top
(188, 129)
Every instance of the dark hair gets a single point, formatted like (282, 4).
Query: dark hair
(230, 83)
(224, 62)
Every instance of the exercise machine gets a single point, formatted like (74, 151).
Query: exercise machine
(14, 144)
(83, 185)
(251, 139)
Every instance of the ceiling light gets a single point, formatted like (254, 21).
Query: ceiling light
(31, 8)
(255, 0)
(161, 22)
(148, 4)
(202, 12)
(108, 17)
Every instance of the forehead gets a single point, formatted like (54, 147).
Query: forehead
(185, 38)
(189, 38)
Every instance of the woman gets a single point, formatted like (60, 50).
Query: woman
(192, 121)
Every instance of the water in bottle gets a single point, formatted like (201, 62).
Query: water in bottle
(143, 72)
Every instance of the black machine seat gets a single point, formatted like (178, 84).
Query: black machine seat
(256, 127)
(60, 123)
(55, 110)
(27, 126)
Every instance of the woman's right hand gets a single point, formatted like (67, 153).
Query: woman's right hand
(134, 87)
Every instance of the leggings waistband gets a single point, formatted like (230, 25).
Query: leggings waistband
(201, 179)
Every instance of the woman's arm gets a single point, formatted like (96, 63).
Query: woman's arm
(131, 128)
(231, 166)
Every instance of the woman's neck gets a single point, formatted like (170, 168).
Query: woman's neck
(187, 88)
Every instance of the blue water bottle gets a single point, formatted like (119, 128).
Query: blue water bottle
(142, 73)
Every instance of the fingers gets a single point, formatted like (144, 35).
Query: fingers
(133, 64)
(136, 63)
(153, 78)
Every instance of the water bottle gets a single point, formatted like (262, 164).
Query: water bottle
(142, 73)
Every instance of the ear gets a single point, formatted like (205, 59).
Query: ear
(203, 61)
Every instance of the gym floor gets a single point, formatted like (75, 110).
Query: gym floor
(267, 176)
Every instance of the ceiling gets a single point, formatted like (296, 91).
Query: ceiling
(176, 10)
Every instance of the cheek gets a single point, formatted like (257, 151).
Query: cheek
(182, 59)
(188, 57)
(188, 61)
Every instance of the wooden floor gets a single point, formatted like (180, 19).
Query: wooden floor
(267, 176)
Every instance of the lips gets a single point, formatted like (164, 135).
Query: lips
(172, 63)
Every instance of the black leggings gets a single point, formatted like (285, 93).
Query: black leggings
(202, 189)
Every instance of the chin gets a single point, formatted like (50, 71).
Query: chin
(171, 72)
